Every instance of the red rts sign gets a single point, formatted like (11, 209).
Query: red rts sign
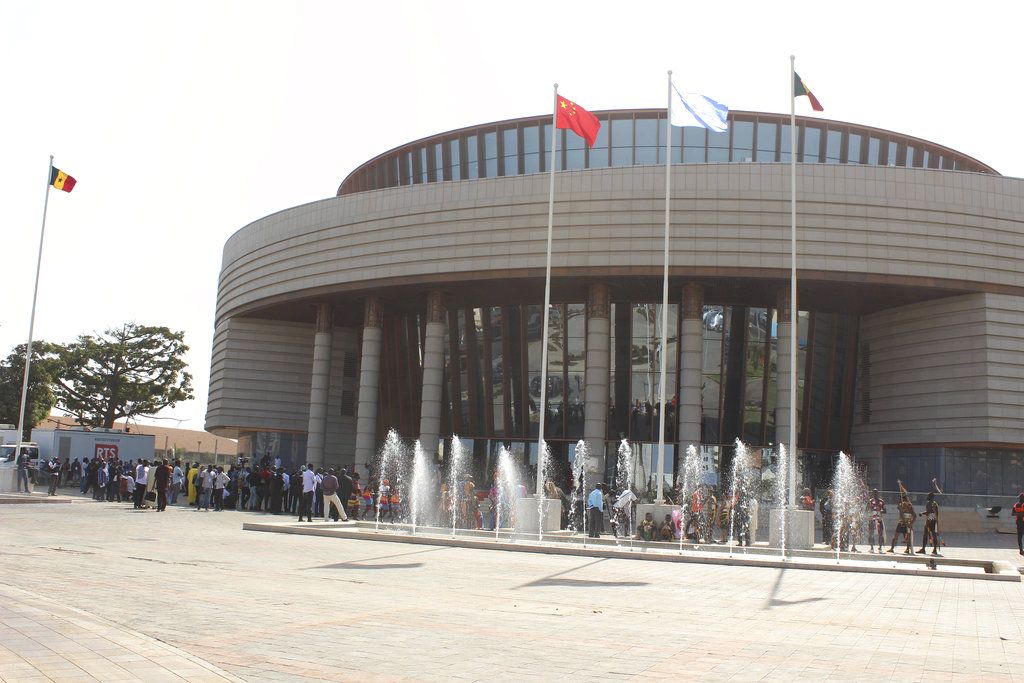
(106, 451)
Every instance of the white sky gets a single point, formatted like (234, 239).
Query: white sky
(184, 121)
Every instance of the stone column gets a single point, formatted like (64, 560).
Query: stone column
(782, 364)
(433, 373)
(369, 386)
(692, 361)
(320, 384)
(595, 410)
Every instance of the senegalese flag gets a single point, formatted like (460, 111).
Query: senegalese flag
(61, 180)
(801, 90)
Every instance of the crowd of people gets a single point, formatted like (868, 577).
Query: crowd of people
(308, 491)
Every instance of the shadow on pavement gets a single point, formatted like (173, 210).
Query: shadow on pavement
(361, 564)
(553, 580)
(776, 602)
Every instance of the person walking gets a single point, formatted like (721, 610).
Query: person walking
(141, 472)
(905, 521)
(220, 481)
(162, 481)
(931, 525)
(876, 525)
(177, 480)
(23, 462)
(276, 491)
(205, 488)
(345, 488)
(308, 489)
(1018, 513)
(595, 511)
(330, 487)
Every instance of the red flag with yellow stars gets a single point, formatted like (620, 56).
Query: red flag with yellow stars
(577, 119)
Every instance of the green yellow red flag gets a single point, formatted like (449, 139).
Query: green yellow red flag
(61, 180)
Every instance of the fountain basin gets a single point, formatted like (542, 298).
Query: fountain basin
(799, 529)
(526, 515)
(561, 544)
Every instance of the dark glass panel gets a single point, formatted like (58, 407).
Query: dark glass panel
(622, 142)
(785, 144)
(766, 134)
(718, 146)
(714, 323)
(833, 147)
(853, 149)
(510, 143)
(694, 142)
(742, 140)
(454, 162)
(812, 145)
(531, 149)
(496, 376)
(472, 158)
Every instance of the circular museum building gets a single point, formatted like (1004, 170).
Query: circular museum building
(413, 301)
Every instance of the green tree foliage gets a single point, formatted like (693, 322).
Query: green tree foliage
(46, 367)
(130, 371)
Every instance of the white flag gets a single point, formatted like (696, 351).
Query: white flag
(690, 109)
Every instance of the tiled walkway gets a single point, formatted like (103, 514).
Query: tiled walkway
(43, 640)
(268, 607)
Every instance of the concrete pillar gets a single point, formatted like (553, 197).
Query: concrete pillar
(598, 368)
(782, 364)
(320, 384)
(692, 362)
(369, 386)
(433, 373)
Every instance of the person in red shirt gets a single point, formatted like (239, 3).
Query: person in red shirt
(1018, 513)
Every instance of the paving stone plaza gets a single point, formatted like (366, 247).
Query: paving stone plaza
(94, 591)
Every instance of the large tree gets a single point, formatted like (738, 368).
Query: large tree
(46, 367)
(130, 371)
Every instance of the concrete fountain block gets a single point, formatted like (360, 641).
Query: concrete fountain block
(799, 529)
(526, 515)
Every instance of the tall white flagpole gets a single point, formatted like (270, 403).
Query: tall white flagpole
(794, 326)
(660, 460)
(547, 309)
(32, 317)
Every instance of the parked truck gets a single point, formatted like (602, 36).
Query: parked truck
(83, 443)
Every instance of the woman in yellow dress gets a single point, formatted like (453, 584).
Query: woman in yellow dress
(192, 492)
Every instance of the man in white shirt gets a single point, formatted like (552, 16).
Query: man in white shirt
(220, 481)
(177, 477)
(141, 473)
(308, 490)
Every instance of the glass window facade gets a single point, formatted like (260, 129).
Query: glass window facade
(638, 138)
(964, 470)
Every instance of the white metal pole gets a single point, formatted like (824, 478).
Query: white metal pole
(660, 466)
(547, 307)
(32, 317)
(794, 324)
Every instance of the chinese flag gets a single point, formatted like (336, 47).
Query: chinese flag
(577, 119)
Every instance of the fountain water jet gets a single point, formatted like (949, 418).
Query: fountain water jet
(782, 496)
(691, 480)
(507, 483)
(848, 509)
(543, 463)
(579, 489)
(419, 487)
(456, 463)
(741, 485)
(624, 480)
(393, 463)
